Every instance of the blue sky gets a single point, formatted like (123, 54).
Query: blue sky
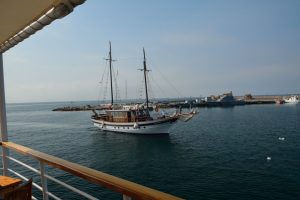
(201, 47)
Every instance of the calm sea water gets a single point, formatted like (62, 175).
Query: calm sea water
(219, 154)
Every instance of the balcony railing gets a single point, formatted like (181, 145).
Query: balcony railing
(128, 189)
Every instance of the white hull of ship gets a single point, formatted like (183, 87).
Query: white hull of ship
(159, 126)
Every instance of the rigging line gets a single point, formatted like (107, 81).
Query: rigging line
(101, 83)
(157, 85)
(126, 90)
(138, 88)
(137, 85)
(141, 88)
(155, 93)
(116, 83)
(178, 93)
(103, 72)
(106, 83)
(128, 58)
(151, 91)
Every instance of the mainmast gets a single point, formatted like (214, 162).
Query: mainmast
(145, 77)
(111, 82)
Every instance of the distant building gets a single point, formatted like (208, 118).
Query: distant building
(226, 99)
(248, 97)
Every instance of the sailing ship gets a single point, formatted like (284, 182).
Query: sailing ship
(132, 119)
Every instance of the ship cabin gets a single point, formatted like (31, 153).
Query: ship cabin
(125, 116)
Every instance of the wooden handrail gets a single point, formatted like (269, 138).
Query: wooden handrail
(114, 183)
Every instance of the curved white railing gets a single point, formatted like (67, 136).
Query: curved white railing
(128, 189)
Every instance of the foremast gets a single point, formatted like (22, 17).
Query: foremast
(145, 78)
(110, 72)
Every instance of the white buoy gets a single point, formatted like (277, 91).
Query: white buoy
(269, 158)
(281, 138)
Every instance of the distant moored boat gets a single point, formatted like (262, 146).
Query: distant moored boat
(292, 99)
(279, 101)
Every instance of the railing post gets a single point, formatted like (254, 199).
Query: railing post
(3, 122)
(44, 181)
(125, 197)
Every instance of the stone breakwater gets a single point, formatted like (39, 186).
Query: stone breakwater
(240, 100)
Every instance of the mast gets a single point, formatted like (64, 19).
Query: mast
(111, 83)
(145, 77)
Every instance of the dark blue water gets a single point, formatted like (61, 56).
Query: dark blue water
(219, 154)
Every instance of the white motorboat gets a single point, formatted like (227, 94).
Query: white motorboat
(292, 99)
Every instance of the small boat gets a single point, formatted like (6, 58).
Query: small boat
(279, 101)
(292, 99)
(132, 119)
(187, 116)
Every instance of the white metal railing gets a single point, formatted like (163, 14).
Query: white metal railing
(44, 178)
(128, 189)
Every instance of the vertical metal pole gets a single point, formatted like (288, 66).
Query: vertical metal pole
(3, 122)
(44, 181)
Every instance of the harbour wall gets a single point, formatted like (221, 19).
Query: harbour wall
(191, 103)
